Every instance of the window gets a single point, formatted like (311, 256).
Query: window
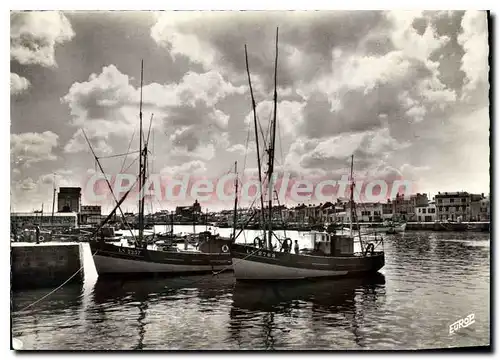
(463, 200)
(452, 200)
(440, 201)
(423, 211)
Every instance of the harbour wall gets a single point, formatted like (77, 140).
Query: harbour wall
(45, 265)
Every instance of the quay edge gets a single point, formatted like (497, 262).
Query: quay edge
(44, 265)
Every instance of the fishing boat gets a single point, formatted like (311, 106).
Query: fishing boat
(332, 255)
(141, 260)
(387, 227)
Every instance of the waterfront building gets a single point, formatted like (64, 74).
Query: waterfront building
(453, 206)
(189, 211)
(419, 199)
(461, 206)
(68, 199)
(366, 212)
(22, 220)
(387, 210)
(484, 209)
(403, 208)
(426, 213)
(90, 214)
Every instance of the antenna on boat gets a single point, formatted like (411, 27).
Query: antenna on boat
(263, 219)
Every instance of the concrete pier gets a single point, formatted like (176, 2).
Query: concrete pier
(44, 265)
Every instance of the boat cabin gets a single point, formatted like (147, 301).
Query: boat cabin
(329, 244)
(213, 243)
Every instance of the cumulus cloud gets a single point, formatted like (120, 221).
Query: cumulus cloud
(107, 105)
(98, 141)
(34, 36)
(334, 152)
(18, 84)
(390, 87)
(237, 148)
(474, 40)
(190, 168)
(29, 148)
(209, 39)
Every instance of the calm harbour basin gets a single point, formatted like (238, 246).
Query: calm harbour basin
(429, 281)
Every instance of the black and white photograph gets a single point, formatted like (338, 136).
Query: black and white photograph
(250, 180)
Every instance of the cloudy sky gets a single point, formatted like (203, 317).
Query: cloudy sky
(405, 92)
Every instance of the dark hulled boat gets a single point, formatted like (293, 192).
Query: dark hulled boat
(111, 259)
(332, 256)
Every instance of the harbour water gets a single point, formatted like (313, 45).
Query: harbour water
(430, 280)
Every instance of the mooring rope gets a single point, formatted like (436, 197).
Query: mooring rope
(57, 288)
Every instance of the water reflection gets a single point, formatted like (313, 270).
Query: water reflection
(275, 309)
(65, 300)
(429, 280)
(146, 305)
(40, 312)
(125, 291)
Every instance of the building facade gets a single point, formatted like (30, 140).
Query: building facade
(403, 208)
(59, 220)
(461, 206)
(426, 213)
(68, 199)
(90, 214)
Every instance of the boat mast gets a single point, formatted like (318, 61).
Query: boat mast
(263, 219)
(41, 217)
(271, 147)
(141, 170)
(53, 202)
(353, 216)
(235, 213)
(353, 211)
(172, 222)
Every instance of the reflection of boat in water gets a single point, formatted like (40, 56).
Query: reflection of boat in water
(261, 313)
(117, 291)
(153, 302)
(326, 292)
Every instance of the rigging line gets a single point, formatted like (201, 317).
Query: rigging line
(246, 148)
(114, 210)
(149, 130)
(128, 149)
(130, 165)
(117, 155)
(105, 177)
(57, 288)
(281, 147)
(262, 130)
